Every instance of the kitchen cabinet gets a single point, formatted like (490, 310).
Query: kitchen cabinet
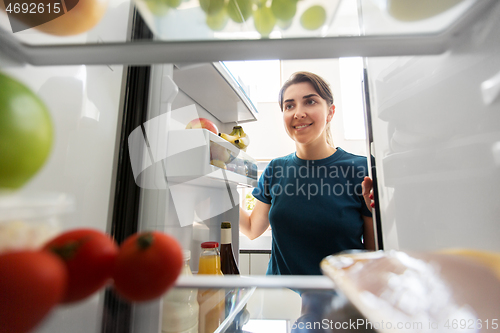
(255, 254)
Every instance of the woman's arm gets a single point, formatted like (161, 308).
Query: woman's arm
(254, 224)
(368, 233)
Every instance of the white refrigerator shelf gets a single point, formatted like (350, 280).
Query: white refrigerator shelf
(191, 151)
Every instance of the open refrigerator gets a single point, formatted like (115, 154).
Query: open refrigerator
(122, 93)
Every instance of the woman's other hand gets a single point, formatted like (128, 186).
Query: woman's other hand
(367, 186)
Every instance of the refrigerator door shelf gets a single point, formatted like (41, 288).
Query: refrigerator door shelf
(213, 87)
(199, 157)
(443, 161)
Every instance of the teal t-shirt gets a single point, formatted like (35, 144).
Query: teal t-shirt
(316, 209)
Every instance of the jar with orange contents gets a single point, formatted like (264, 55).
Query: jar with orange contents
(211, 301)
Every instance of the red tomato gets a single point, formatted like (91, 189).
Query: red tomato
(31, 284)
(89, 256)
(147, 266)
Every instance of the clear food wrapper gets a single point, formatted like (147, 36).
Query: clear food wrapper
(29, 219)
(420, 292)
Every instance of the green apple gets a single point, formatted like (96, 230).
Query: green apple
(26, 133)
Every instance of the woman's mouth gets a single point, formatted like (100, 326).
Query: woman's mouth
(301, 126)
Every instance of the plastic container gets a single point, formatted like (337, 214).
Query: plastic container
(29, 219)
(180, 306)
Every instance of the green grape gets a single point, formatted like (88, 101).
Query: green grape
(264, 20)
(218, 21)
(284, 10)
(174, 3)
(313, 18)
(212, 7)
(284, 24)
(157, 7)
(239, 10)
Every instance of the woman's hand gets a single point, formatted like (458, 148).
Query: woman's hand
(257, 222)
(367, 186)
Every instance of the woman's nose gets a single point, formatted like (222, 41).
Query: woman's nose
(299, 113)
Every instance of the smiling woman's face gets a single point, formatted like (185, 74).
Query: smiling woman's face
(305, 114)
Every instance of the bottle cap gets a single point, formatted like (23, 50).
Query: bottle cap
(186, 254)
(225, 225)
(209, 245)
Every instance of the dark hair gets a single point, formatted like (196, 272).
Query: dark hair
(318, 83)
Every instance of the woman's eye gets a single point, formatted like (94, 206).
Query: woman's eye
(311, 101)
(288, 107)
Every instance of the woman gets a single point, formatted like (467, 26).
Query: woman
(313, 198)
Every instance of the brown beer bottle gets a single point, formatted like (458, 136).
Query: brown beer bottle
(228, 264)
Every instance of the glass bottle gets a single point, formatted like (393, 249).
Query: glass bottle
(209, 259)
(229, 267)
(180, 306)
(228, 263)
(211, 301)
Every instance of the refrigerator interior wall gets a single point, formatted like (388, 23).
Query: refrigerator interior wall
(81, 164)
(437, 143)
(85, 104)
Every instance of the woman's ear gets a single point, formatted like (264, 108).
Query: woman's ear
(331, 112)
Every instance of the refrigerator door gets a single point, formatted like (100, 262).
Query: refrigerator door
(436, 136)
